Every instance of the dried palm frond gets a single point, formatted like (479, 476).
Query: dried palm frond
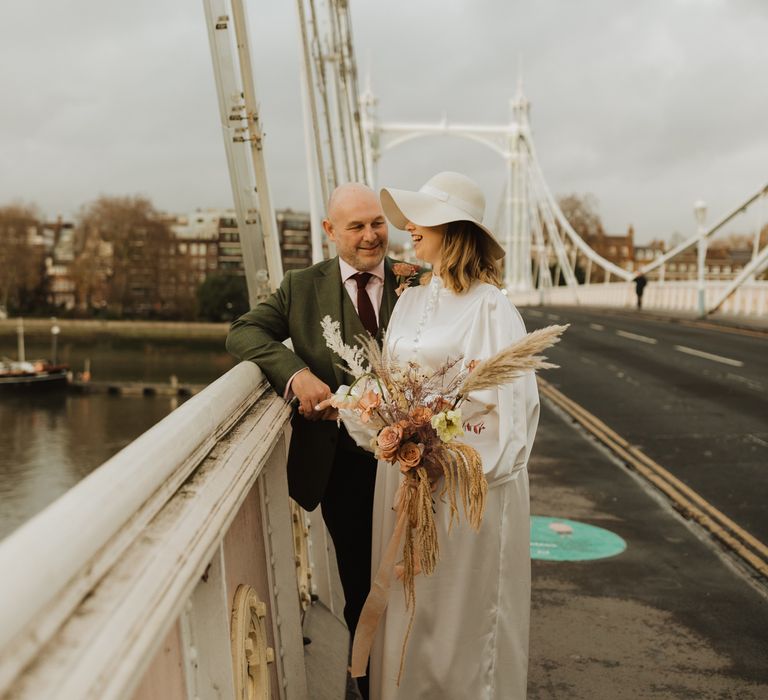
(372, 352)
(514, 361)
(353, 357)
(428, 548)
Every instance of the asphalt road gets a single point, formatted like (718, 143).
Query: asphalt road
(693, 398)
(666, 619)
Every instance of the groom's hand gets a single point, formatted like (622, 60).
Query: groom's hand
(310, 391)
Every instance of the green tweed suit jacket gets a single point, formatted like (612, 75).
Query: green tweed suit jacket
(294, 311)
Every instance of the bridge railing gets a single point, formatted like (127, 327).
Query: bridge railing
(169, 571)
(750, 299)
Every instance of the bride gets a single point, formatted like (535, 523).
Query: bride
(469, 637)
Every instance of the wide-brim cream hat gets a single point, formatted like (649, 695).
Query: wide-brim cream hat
(444, 198)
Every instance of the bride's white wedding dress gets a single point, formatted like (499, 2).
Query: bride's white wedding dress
(470, 634)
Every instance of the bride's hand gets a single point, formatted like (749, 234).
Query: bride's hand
(325, 411)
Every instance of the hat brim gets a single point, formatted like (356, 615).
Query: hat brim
(402, 206)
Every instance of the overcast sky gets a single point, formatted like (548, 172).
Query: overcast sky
(646, 105)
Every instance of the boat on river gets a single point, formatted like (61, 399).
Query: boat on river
(15, 375)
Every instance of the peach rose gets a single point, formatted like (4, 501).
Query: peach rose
(409, 455)
(388, 441)
(420, 416)
(404, 269)
(367, 403)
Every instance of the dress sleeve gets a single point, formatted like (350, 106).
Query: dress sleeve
(499, 423)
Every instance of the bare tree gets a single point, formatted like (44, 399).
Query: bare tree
(581, 213)
(138, 244)
(22, 257)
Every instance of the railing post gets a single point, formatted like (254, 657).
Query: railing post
(700, 211)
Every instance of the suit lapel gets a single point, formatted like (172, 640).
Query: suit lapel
(329, 292)
(388, 298)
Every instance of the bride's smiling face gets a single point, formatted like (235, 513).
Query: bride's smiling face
(427, 241)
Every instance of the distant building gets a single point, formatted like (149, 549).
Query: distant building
(230, 251)
(647, 253)
(720, 264)
(195, 252)
(723, 261)
(163, 262)
(293, 230)
(619, 249)
(62, 290)
(216, 231)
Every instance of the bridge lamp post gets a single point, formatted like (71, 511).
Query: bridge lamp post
(55, 330)
(700, 212)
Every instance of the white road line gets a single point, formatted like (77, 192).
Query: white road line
(531, 312)
(553, 317)
(634, 336)
(709, 356)
(596, 327)
(743, 380)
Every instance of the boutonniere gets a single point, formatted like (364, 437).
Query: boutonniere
(406, 275)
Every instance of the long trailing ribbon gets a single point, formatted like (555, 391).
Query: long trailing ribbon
(471, 484)
(377, 600)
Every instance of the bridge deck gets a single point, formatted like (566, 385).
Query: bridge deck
(668, 617)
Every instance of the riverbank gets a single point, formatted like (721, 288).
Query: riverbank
(91, 328)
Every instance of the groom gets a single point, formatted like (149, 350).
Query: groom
(357, 288)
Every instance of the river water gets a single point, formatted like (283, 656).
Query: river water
(51, 440)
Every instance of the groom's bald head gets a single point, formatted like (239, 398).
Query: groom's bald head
(355, 223)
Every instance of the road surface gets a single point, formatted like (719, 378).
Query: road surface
(692, 397)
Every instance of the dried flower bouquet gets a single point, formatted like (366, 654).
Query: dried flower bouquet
(416, 418)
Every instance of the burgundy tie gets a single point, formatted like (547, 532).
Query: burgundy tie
(364, 306)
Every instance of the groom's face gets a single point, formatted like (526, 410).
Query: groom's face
(357, 226)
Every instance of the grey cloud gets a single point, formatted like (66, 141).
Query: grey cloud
(647, 105)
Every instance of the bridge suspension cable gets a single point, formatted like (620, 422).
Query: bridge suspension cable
(332, 110)
(244, 145)
(707, 233)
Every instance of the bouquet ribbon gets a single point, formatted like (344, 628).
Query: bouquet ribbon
(377, 600)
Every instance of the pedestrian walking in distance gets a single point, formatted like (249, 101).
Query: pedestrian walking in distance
(640, 282)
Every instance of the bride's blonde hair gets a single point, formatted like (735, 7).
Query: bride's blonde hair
(465, 257)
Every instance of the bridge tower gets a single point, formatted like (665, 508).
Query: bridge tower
(526, 223)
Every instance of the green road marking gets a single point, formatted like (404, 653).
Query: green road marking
(558, 539)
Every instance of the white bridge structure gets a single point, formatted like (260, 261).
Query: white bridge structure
(538, 237)
(180, 569)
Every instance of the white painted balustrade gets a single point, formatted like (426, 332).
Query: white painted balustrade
(169, 572)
